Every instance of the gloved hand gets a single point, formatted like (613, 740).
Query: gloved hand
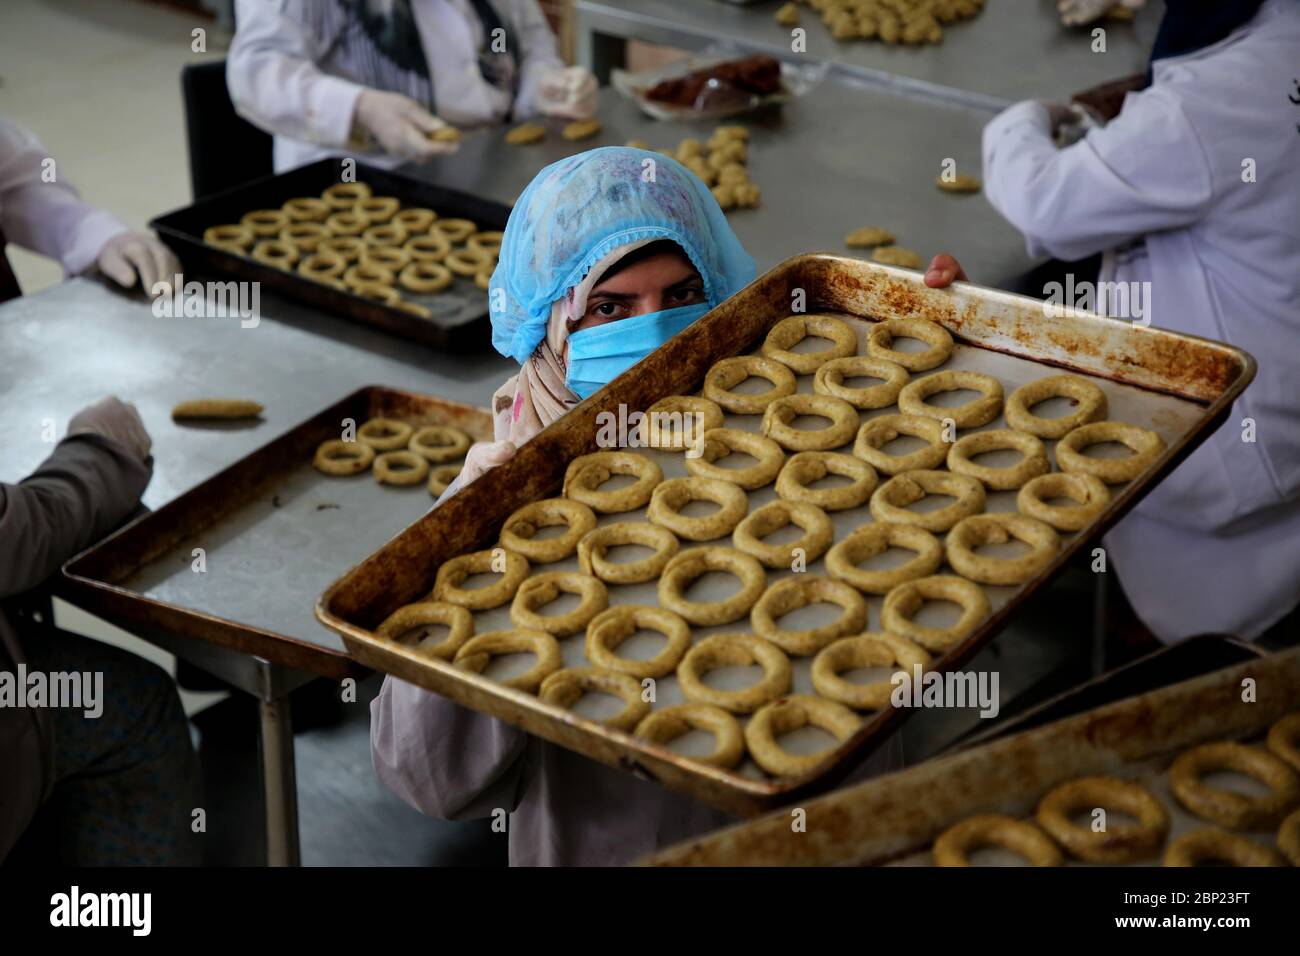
(399, 125)
(569, 92)
(1070, 122)
(1078, 12)
(115, 419)
(483, 457)
(129, 254)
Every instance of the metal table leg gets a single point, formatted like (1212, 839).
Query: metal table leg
(279, 783)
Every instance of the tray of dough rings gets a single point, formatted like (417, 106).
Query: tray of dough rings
(1200, 772)
(368, 244)
(740, 610)
(239, 559)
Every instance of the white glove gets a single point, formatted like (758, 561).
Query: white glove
(482, 458)
(399, 125)
(115, 419)
(131, 254)
(1078, 12)
(569, 92)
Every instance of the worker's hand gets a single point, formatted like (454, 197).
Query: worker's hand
(115, 419)
(943, 271)
(399, 125)
(129, 255)
(483, 457)
(1078, 12)
(569, 92)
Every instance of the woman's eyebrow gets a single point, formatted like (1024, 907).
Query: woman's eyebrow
(617, 296)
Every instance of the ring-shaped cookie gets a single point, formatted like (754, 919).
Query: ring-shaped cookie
(829, 380)
(483, 279)
(475, 654)
(429, 248)
(1118, 842)
(306, 209)
(446, 586)
(265, 223)
(592, 548)
(799, 591)
(322, 265)
(541, 589)
(488, 241)
(415, 220)
(240, 236)
(441, 477)
(1228, 809)
(466, 262)
(903, 601)
(345, 195)
(721, 442)
(734, 650)
(1213, 846)
(400, 468)
(1284, 740)
(519, 532)
(274, 252)
(757, 525)
(1145, 444)
(1090, 402)
(880, 431)
(789, 714)
(730, 372)
(614, 625)
(679, 422)
(792, 330)
(385, 434)
(385, 234)
(306, 236)
(347, 225)
(666, 725)
(954, 846)
(1288, 838)
(1032, 463)
(586, 473)
(425, 277)
(882, 335)
(998, 528)
(377, 209)
(865, 650)
(809, 467)
(439, 443)
(890, 501)
(458, 621)
(392, 258)
(1090, 494)
(779, 416)
(683, 569)
(376, 291)
(347, 248)
(843, 560)
(972, 414)
(455, 230)
(339, 457)
(674, 494)
(566, 687)
(367, 273)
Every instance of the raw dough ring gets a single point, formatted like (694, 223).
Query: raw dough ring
(347, 248)
(414, 220)
(541, 589)
(976, 412)
(1118, 843)
(781, 413)
(586, 473)
(377, 209)
(792, 330)
(274, 252)
(446, 586)
(749, 534)
(1145, 444)
(882, 335)
(458, 621)
(232, 235)
(454, 230)
(347, 225)
(566, 687)
(488, 242)
(424, 277)
(664, 726)
(891, 499)
(322, 264)
(307, 209)
(467, 262)
(677, 412)
(734, 650)
(339, 457)
(730, 372)
(1090, 399)
(1234, 810)
(377, 291)
(613, 626)
(1284, 740)
(1288, 838)
(1033, 463)
(675, 493)
(400, 468)
(829, 380)
(439, 443)
(790, 713)
(684, 568)
(1199, 846)
(721, 442)
(306, 236)
(265, 223)
(345, 195)
(798, 591)
(385, 434)
(441, 477)
(870, 540)
(807, 467)
(429, 248)
(904, 601)
(592, 548)
(392, 258)
(477, 651)
(953, 847)
(1090, 492)
(865, 650)
(517, 534)
(998, 528)
(883, 429)
(367, 273)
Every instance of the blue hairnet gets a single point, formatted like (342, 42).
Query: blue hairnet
(578, 210)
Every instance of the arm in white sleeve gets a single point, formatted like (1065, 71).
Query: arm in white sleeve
(272, 75)
(47, 217)
(538, 53)
(1146, 171)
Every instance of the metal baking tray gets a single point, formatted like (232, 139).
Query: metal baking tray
(274, 532)
(1179, 385)
(894, 819)
(459, 313)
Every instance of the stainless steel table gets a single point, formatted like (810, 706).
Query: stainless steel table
(1014, 49)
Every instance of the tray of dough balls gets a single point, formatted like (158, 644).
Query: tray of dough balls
(719, 594)
(358, 241)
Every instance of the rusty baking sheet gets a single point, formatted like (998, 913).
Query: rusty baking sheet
(893, 819)
(274, 532)
(1180, 385)
(458, 314)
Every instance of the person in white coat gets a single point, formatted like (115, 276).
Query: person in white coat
(376, 77)
(1194, 191)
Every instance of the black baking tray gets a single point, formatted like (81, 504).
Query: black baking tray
(459, 321)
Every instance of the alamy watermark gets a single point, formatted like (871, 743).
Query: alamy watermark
(62, 690)
(955, 689)
(666, 430)
(1116, 300)
(177, 299)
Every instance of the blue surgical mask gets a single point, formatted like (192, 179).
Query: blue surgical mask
(598, 356)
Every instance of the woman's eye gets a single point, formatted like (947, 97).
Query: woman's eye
(607, 309)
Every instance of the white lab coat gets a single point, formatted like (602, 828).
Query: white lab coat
(1160, 190)
(303, 87)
